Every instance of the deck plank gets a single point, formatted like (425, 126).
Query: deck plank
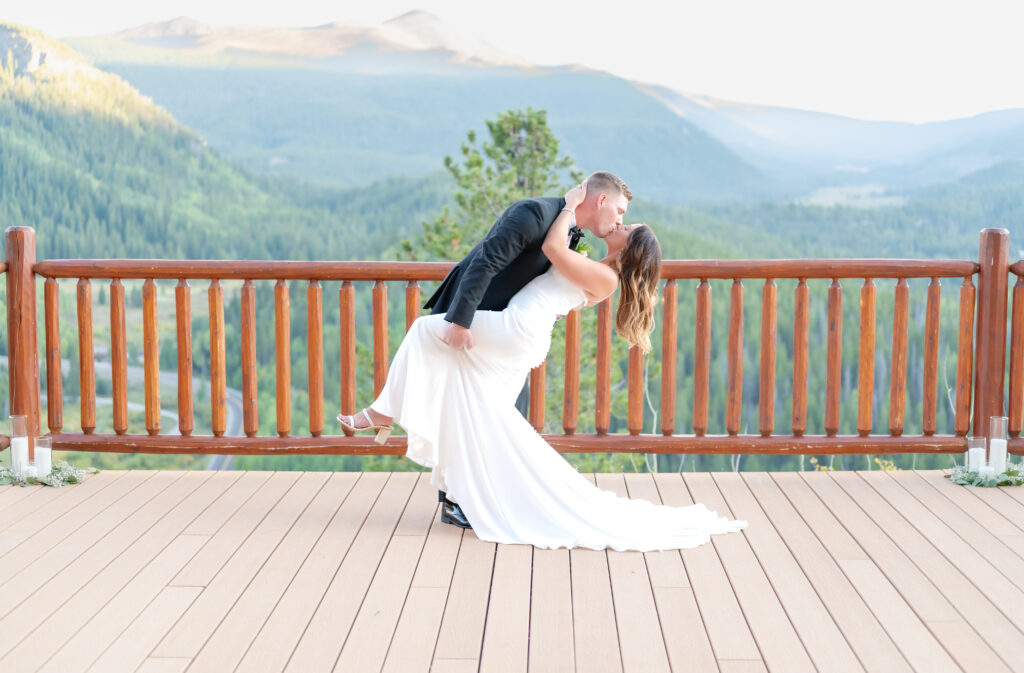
(77, 559)
(987, 561)
(16, 525)
(595, 632)
(201, 621)
(842, 525)
(415, 639)
(640, 636)
(276, 640)
(23, 568)
(790, 577)
(947, 513)
(132, 647)
(874, 571)
(103, 629)
(462, 624)
(551, 638)
(11, 494)
(135, 546)
(686, 640)
(993, 508)
(724, 622)
(366, 646)
(887, 530)
(319, 646)
(777, 639)
(507, 632)
(239, 513)
(232, 637)
(865, 638)
(164, 665)
(213, 519)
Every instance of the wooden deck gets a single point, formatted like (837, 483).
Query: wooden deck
(308, 572)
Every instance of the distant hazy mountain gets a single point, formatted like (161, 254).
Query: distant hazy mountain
(832, 149)
(416, 31)
(343, 105)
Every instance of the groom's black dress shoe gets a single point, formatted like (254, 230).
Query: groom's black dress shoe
(452, 513)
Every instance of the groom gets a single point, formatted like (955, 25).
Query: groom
(508, 257)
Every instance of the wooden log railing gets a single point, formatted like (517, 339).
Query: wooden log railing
(985, 368)
(1016, 392)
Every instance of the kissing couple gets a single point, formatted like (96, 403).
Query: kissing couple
(458, 384)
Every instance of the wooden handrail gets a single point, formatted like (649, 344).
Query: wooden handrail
(645, 443)
(679, 269)
(225, 269)
(972, 332)
(816, 268)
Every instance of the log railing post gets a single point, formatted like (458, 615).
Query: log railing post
(990, 349)
(22, 347)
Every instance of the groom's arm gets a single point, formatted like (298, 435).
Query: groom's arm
(506, 240)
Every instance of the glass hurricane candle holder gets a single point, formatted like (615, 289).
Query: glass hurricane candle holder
(975, 453)
(19, 444)
(43, 462)
(997, 439)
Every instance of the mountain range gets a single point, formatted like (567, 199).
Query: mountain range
(345, 105)
(101, 169)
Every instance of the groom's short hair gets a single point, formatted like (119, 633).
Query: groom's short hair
(608, 182)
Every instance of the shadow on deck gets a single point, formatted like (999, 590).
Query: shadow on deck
(309, 572)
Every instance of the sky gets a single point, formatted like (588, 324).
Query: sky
(896, 60)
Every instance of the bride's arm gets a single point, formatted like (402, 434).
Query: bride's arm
(596, 279)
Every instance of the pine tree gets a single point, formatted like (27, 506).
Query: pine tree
(520, 161)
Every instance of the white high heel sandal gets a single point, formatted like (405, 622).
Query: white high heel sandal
(383, 431)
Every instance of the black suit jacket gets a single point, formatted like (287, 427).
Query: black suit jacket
(508, 257)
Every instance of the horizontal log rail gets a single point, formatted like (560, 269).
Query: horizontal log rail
(327, 271)
(228, 269)
(816, 268)
(972, 384)
(613, 443)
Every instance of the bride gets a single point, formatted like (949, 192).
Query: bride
(458, 407)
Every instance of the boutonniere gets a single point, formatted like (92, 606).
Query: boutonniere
(583, 248)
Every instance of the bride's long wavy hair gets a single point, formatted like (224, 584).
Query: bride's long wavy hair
(639, 266)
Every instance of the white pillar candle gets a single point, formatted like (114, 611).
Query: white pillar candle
(19, 454)
(43, 462)
(997, 454)
(975, 458)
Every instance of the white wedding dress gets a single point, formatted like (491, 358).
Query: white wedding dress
(458, 408)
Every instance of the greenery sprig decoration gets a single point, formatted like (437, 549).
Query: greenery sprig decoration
(1013, 475)
(62, 474)
(584, 248)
